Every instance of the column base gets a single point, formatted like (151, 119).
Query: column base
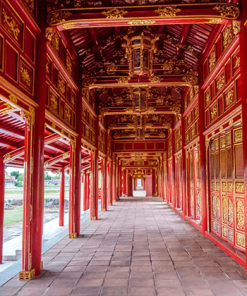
(114, 200)
(26, 275)
(109, 204)
(102, 210)
(93, 218)
(72, 235)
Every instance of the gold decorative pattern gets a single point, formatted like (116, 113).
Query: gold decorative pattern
(167, 11)
(220, 83)
(229, 186)
(230, 212)
(212, 60)
(228, 139)
(237, 62)
(227, 10)
(53, 102)
(114, 13)
(58, 16)
(240, 240)
(69, 64)
(123, 80)
(13, 99)
(25, 76)
(238, 135)
(215, 21)
(214, 112)
(227, 36)
(68, 114)
(239, 187)
(229, 97)
(225, 209)
(230, 235)
(222, 142)
(192, 79)
(236, 27)
(11, 23)
(61, 86)
(141, 23)
(224, 189)
(240, 214)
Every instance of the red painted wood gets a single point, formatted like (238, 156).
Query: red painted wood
(153, 182)
(243, 65)
(38, 177)
(2, 183)
(149, 187)
(72, 189)
(61, 200)
(124, 182)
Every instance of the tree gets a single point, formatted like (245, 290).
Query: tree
(20, 177)
(47, 176)
(15, 174)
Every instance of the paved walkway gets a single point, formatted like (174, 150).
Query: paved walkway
(140, 247)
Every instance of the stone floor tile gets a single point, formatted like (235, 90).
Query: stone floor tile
(134, 291)
(116, 282)
(109, 291)
(53, 291)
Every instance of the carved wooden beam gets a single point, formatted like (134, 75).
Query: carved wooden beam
(142, 15)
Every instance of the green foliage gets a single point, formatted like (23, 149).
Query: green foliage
(20, 177)
(57, 177)
(47, 199)
(18, 184)
(47, 176)
(15, 174)
(13, 216)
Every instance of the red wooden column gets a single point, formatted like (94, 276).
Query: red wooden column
(183, 168)
(202, 160)
(28, 272)
(40, 93)
(77, 168)
(88, 190)
(173, 172)
(113, 172)
(124, 182)
(120, 183)
(94, 177)
(243, 95)
(2, 183)
(153, 182)
(72, 212)
(61, 201)
(84, 178)
(104, 184)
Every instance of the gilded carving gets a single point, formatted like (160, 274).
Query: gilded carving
(58, 16)
(227, 10)
(225, 208)
(222, 142)
(227, 36)
(230, 235)
(123, 80)
(218, 208)
(68, 114)
(240, 240)
(196, 89)
(229, 186)
(53, 102)
(238, 135)
(61, 86)
(141, 23)
(114, 13)
(13, 99)
(240, 214)
(69, 64)
(224, 188)
(230, 212)
(237, 62)
(228, 139)
(25, 76)
(229, 97)
(220, 82)
(12, 25)
(239, 187)
(214, 112)
(167, 11)
(192, 79)
(212, 60)
(236, 27)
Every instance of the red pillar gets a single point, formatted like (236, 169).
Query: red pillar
(154, 183)
(72, 212)
(2, 183)
(124, 182)
(87, 176)
(94, 178)
(27, 269)
(183, 169)
(40, 92)
(110, 182)
(104, 184)
(120, 179)
(202, 160)
(173, 173)
(77, 165)
(84, 177)
(61, 201)
(243, 95)
(114, 181)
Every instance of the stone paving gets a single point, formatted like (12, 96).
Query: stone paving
(139, 247)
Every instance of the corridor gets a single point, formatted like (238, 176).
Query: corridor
(139, 247)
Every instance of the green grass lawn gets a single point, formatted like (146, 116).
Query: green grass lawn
(13, 216)
(9, 191)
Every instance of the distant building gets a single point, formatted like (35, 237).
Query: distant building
(9, 181)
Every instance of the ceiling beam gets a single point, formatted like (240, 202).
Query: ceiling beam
(13, 132)
(94, 37)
